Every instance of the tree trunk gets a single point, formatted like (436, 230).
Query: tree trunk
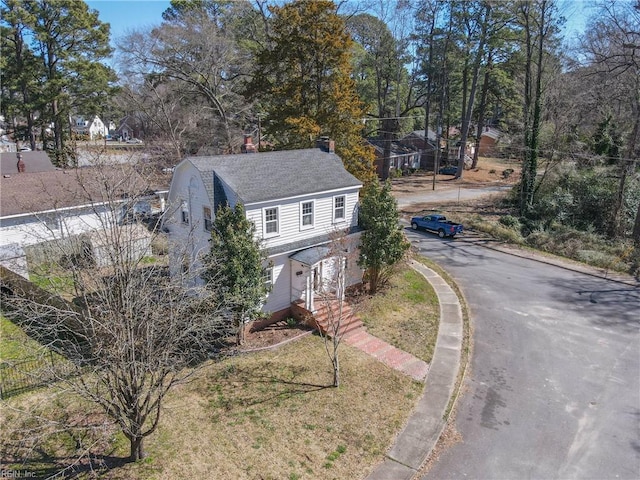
(482, 108)
(466, 122)
(374, 273)
(136, 451)
(636, 230)
(59, 156)
(386, 150)
(336, 364)
(240, 333)
(537, 113)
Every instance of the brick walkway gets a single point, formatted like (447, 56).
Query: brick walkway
(388, 354)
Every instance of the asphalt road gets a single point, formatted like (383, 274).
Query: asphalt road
(553, 387)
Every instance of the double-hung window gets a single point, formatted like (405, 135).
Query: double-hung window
(339, 208)
(306, 215)
(206, 213)
(185, 213)
(268, 278)
(271, 227)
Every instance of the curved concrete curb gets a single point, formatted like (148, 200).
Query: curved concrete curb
(423, 429)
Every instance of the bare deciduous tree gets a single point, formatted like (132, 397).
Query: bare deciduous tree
(198, 53)
(337, 314)
(109, 307)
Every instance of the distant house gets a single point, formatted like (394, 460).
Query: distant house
(127, 129)
(402, 157)
(489, 141)
(40, 203)
(423, 144)
(297, 199)
(94, 128)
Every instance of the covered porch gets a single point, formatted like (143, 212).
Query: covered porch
(319, 278)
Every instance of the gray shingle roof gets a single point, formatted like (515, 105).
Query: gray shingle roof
(310, 242)
(24, 193)
(263, 176)
(34, 162)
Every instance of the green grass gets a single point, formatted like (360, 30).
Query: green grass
(52, 279)
(16, 345)
(405, 314)
(264, 415)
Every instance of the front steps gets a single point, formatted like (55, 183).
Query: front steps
(328, 318)
(354, 333)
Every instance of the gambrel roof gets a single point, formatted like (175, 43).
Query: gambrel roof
(264, 176)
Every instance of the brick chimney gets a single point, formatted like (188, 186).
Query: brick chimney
(20, 164)
(248, 146)
(326, 145)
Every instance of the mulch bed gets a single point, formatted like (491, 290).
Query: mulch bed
(272, 335)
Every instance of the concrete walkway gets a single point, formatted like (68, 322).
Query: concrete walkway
(416, 441)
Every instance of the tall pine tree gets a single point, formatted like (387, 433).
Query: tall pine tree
(70, 43)
(304, 81)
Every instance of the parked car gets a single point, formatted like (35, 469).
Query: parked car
(437, 223)
(134, 140)
(25, 149)
(450, 170)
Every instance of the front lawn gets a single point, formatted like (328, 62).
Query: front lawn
(266, 415)
(405, 314)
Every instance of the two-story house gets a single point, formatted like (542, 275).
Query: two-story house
(95, 128)
(298, 201)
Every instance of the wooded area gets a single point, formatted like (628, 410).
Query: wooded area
(287, 73)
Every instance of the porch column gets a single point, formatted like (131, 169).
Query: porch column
(309, 292)
(342, 282)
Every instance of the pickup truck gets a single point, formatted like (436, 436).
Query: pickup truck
(437, 223)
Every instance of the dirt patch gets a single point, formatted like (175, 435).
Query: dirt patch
(490, 171)
(272, 335)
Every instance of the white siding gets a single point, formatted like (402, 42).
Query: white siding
(187, 186)
(298, 282)
(289, 217)
(190, 238)
(28, 230)
(280, 296)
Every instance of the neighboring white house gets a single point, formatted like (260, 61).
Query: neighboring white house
(94, 128)
(298, 201)
(40, 203)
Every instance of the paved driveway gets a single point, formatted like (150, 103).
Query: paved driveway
(553, 389)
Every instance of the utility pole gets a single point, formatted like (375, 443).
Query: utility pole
(436, 162)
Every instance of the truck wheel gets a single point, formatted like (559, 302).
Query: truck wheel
(441, 233)
(414, 226)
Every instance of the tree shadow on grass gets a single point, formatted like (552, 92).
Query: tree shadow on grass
(241, 387)
(43, 465)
